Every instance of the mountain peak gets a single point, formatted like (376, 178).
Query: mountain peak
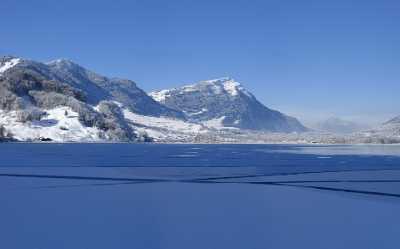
(220, 86)
(62, 62)
(218, 80)
(228, 85)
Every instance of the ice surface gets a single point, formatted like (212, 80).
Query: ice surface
(197, 196)
(189, 215)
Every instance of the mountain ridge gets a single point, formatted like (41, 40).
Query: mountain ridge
(64, 101)
(123, 90)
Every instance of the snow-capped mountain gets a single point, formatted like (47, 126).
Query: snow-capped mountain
(62, 101)
(223, 103)
(340, 126)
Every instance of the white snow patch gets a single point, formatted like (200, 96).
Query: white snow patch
(217, 123)
(190, 88)
(231, 87)
(228, 85)
(9, 64)
(161, 128)
(159, 96)
(197, 113)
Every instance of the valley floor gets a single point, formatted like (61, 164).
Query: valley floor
(56, 126)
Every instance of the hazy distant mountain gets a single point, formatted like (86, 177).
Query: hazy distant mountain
(389, 128)
(394, 121)
(225, 103)
(338, 125)
(387, 133)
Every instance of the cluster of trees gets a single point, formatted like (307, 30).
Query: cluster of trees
(238, 136)
(114, 122)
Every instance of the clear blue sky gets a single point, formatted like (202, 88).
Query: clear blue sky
(308, 58)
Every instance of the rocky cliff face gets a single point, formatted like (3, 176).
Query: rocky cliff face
(225, 102)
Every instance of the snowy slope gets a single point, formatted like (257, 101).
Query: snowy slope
(60, 125)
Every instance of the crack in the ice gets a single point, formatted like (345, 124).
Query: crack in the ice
(90, 185)
(375, 193)
(286, 174)
(127, 181)
(93, 178)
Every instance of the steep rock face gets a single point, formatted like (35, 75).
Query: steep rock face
(226, 102)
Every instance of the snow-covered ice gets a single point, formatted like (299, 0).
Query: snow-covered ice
(103, 214)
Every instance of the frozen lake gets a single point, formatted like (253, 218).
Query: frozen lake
(198, 196)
